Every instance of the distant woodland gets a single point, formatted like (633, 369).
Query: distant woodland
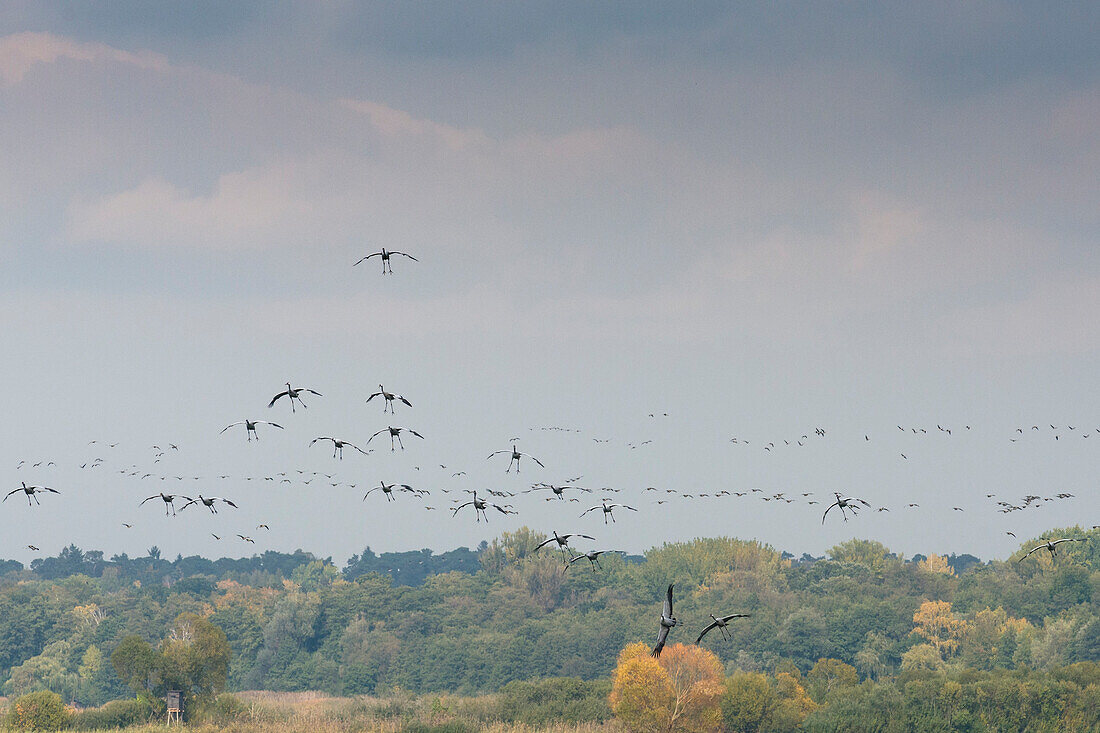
(857, 631)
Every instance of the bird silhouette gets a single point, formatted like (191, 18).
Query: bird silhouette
(1052, 546)
(385, 254)
(720, 622)
(516, 455)
(250, 426)
(667, 622)
(844, 502)
(31, 492)
(293, 394)
(395, 433)
(389, 398)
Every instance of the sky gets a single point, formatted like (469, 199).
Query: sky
(761, 219)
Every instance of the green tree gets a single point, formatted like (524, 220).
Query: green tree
(828, 676)
(136, 663)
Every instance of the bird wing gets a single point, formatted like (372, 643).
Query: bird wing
(415, 433)
(376, 394)
(661, 636)
(157, 496)
(668, 602)
(405, 254)
(835, 503)
(536, 460)
(734, 615)
(12, 492)
(1064, 539)
(272, 424)
(231, 425)
(496, 452)
(376, 435)
(227, 501)
(190, 501)
(587, 537)
(364, 259)
(624, 506)
(544, 543)
(404, 400)
(455, 512)
(1040, 547)
(861, 501)
(591, 510)
(323, 437)
(311, 391)
(703, 633)
(274, 399)
(574, 559)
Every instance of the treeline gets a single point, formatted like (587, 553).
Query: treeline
(296, 622)
(269, 568)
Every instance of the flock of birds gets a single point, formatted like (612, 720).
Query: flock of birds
(567, 491)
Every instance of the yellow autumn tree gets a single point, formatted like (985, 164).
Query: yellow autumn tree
(935, 623)
(679, 691)
(936, 564)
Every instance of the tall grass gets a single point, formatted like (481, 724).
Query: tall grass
(316, 712)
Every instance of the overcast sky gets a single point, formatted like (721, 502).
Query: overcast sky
(761, 219)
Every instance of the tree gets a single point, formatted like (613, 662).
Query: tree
(679, 691)
(935, 623)
(135, 662)
(936, 564)
(872, 554)
(195, 657)
(829, 675)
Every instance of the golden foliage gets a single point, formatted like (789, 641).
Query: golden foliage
(680, 691)
(936, 564)
(935, 623)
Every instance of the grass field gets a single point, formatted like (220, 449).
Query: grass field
(261, 711)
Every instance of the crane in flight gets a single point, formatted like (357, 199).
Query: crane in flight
(206, 501)
(250, 426)
(166, 498)
(1052, 546)
(387, 489)
(389, 398)
(720, 622)
(386, 254)
(479, 506)
(667, 622)
(516, 455)
(592, 557)
(607, 509)
(395, 433)
(338, 446)
(562, 540)
(559, 491)
(293, 394)
(31, 492)
(844, 502)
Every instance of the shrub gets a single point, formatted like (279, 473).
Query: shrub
(228, 708)
(42, 710)
(555, 699)
(115, 714)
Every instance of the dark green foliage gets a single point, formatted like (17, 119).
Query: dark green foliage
(566, 699)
